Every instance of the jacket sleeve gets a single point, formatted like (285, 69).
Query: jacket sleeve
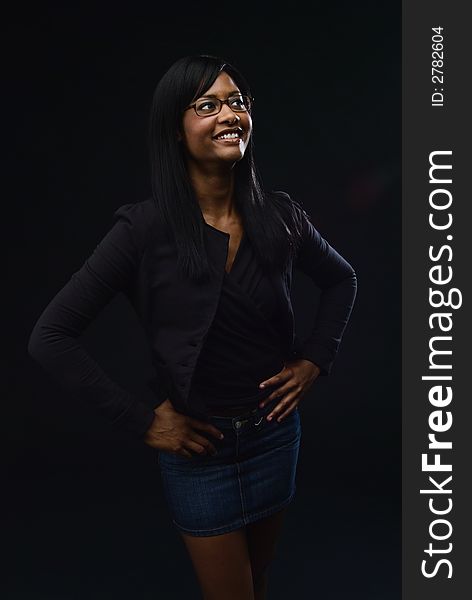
(338, 285)
(54, 339)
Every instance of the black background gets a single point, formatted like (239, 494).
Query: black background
(85, 516)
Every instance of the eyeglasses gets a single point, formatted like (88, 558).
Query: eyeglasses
(211, 106)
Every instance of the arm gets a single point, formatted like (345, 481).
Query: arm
(338, 283)
(54, 339)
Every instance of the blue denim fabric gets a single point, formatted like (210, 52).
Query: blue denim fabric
(251, 476)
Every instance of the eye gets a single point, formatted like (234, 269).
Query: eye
(239, 102)
(206, 105)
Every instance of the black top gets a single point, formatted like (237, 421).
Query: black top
(138, 257)
(243, 345)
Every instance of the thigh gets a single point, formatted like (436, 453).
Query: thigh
(222, 565)
(262, 539)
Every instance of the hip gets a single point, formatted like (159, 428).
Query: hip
(246, 435)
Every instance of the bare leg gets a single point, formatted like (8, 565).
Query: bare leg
(222, 565)
(262, 538)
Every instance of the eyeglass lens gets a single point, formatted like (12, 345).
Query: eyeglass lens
(210, 106)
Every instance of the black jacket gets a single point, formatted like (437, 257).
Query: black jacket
(138, 258)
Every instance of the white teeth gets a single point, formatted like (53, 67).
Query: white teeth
(227, 135)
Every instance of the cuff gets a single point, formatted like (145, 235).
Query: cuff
(317, 354)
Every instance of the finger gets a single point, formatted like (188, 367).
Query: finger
(185, 453)
(211, 429)
(278, 393)
(204, 442)
(279, 378)
(281, 407)
(290, 409)
(195, 448)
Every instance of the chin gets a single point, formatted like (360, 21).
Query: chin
(232, 152)
(232, 159)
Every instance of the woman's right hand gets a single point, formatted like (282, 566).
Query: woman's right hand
(172, 431)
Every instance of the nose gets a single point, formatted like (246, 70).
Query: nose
(227, 114)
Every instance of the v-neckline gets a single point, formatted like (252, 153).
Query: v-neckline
(237, 252)
(228, 235)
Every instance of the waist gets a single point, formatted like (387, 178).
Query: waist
(237, 406)
(230, 411)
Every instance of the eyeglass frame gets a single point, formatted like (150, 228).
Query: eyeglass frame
(251, 100)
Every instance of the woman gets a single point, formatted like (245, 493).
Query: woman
(207, 264)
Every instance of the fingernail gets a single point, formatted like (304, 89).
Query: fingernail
(221, 436)
(261, 405)
(261, 384)
(269, 417)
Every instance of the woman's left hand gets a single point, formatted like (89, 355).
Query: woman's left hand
(296, 379)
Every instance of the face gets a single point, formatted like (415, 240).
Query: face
(199, 133)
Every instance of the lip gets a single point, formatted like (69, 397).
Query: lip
(229, 141)
(237, 130)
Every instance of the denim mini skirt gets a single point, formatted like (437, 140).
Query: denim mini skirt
(251, 476)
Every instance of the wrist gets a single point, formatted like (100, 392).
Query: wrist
(315, 367)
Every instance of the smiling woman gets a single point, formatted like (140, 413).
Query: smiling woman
(207, 264)
(190, 168)
(205, 139)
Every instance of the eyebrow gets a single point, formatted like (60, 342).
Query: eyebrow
(232, 92)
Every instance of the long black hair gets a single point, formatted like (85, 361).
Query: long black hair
(269, 219)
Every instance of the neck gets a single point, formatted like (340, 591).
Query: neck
(214, 191)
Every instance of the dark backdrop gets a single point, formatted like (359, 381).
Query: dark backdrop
(85, 516)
